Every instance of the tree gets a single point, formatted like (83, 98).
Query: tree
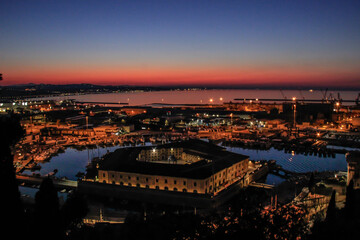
(350, 200)
(285, 222)
(73, 211)
(47, 214)
(331, 211)
(11, 206)
(311, 183)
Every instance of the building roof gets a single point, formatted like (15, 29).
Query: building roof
(353, 156)
(125, 160)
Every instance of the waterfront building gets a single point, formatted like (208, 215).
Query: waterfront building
(191, 173)
(353, 161)
(192, 166)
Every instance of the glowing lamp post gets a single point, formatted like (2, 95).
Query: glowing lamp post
(337, 106)
(294, 100)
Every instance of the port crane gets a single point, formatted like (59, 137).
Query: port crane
(282, 94)
(324, 95)
(302, 96)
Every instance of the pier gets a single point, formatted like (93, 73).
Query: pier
(32, 181)
(262, 185)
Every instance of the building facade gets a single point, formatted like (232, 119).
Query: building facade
(353, 168)
(192, 167)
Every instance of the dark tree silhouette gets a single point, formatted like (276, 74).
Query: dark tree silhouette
(350, 200)
(12, 209)
(311, 184)
(340, 224)
(47, 215)
(73, 211)
(331, 211)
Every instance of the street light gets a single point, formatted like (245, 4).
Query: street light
(294, 100)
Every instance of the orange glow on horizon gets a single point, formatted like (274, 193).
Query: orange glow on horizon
(181, 76)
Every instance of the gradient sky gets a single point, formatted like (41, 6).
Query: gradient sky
(262, 43)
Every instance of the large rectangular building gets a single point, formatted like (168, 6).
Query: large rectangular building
(192, 166)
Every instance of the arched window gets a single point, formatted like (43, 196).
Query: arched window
(184, 190)
(175, 189)
(195, 191)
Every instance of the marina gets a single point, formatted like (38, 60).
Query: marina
(78, 160)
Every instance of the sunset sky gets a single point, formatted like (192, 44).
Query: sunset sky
(208, 43)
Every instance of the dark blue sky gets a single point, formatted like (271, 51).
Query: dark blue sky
(166, 42)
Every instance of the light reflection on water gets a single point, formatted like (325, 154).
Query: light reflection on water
(73, 161)
(296, 162)
(199, 96)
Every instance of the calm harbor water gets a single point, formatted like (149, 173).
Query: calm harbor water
(201, 96)
(296, 162)
(73, 161)
(70, 162)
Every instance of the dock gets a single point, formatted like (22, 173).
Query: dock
(36, 181)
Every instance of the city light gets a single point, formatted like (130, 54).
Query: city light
(118, 116)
